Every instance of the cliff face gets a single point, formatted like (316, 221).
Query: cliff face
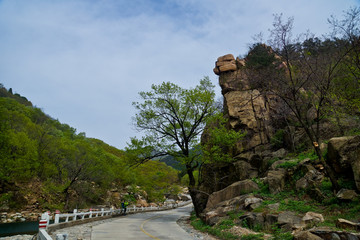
(246, 108)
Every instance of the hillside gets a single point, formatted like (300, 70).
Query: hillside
(296, 172)
(47, 165)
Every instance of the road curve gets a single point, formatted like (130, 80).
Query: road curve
(150, 225)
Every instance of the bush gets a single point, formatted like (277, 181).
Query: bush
(277, 141)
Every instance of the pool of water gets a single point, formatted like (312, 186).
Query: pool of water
(9, 229)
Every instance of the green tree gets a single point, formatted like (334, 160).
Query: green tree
(172, 119)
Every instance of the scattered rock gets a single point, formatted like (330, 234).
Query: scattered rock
(346, 194)
(327, 233)
(312, 218)
(346, 224)
(252, 203)
(306, 235)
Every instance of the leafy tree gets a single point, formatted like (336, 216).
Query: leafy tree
(172, 119)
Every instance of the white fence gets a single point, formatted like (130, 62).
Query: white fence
(76, 216)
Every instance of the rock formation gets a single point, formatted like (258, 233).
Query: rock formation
(344, 156)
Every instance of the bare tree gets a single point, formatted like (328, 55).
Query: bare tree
(301, 74)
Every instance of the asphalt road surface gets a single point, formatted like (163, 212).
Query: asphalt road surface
(151, 225)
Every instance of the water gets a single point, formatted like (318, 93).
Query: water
(9, 229)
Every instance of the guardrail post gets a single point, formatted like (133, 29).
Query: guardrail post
(44, 221)
(57, 216)
(75, 214)
(102, 211)
(90, 216)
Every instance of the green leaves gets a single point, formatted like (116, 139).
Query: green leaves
(172, 119)
(219, 141)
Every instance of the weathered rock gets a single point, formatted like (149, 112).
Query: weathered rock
(330, 234)
(184, 197)
(270, 221)
(253, 220)
(276, 180)
(346, 194)
(213, 214)
(281, 153)
(312, 218)
(288, 217)
(232, 191)
(316, 194)
(243, 108)
(224, 64)
(252, 202)
(244, 170)
(306, 235)
(274, 206)
(346, 224)
(344, 156)
(312, 178)
(141, 203)
(225, 58)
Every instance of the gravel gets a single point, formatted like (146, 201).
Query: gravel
(18, 237)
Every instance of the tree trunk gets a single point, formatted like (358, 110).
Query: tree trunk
(328, 169)
(198, 198)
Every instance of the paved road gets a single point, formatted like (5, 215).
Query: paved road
(151, 225)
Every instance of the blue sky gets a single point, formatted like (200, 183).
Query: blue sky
(84, 61)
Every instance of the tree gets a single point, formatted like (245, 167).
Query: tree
(173, 119)
(347, 30)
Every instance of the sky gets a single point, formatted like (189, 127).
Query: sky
(84, 62)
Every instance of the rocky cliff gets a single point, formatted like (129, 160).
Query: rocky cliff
(264, 187)
(246, 108)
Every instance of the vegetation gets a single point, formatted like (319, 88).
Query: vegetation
(66, 168)
(173, 120)
(315, 79)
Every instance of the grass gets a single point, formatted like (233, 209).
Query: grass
(217, 230)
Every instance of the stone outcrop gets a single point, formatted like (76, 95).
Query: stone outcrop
(247, 109)
(232, 191)
(344, 157)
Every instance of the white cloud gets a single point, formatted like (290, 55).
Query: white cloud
(84, 62)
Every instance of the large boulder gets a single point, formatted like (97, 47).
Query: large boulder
(225, 64)
(344, 157)
(232, 191)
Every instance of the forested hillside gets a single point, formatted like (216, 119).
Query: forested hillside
(46, 164)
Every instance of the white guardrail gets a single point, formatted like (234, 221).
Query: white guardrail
(76, 216)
